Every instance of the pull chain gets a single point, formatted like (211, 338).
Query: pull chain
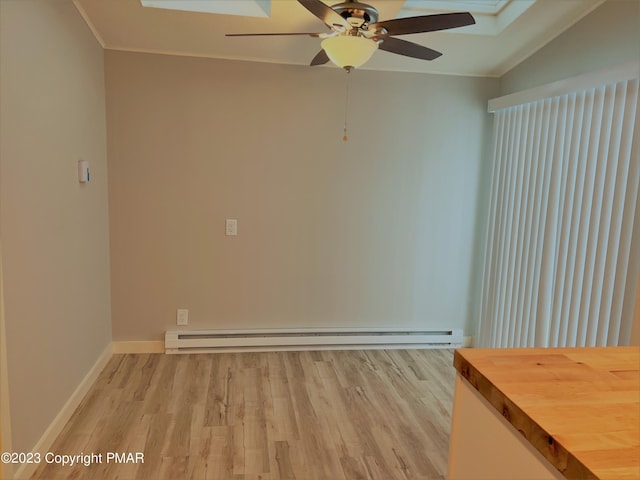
(346, 105)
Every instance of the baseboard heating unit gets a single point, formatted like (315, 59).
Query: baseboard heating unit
(202, 341)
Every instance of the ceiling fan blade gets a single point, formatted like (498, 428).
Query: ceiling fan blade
(408, 49)
(271, 34)
(425, 23)
(320, 59)
(325, 13)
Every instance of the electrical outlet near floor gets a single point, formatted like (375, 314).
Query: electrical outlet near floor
(182, 317)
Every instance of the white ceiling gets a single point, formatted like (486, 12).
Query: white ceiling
(506, 32)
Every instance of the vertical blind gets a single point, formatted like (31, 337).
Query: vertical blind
(560, 251)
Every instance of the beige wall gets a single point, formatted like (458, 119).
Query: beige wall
(378, 231)
(607, 37)
(54, 231)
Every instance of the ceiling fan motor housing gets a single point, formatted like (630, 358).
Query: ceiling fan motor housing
(357, 14)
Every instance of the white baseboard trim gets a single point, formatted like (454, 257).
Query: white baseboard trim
(51, 433)
(153, 346)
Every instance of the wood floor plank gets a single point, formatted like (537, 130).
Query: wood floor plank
(283, 461)
(338, 415)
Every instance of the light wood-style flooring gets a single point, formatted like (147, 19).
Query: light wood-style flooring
(327, 415)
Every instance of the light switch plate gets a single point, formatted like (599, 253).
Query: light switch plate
(231, 227)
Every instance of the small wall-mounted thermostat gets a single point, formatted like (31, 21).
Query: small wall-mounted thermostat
(83, 171)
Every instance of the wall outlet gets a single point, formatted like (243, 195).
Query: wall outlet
(182, 317)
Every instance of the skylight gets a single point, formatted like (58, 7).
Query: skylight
(489, 7)
(246, 8)
(492, 16)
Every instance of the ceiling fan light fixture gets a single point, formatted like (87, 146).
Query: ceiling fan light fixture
(349, 51)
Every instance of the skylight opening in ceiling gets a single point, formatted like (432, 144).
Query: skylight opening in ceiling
(492, 16)
(245, 8)
(487, 7)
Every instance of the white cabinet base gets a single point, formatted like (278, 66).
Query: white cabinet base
(483, 445)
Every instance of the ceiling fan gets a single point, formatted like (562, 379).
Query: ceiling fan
(356, 32)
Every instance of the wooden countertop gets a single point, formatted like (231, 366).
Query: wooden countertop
(579, 407)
